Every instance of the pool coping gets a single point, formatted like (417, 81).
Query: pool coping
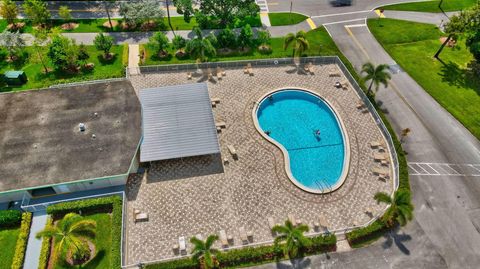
(346, 160)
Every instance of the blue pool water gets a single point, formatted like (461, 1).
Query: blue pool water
(292, 117)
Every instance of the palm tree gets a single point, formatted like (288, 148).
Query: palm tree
(299, 41)
(203, 251)
(292, 236)
(71, 236)
(401, 209)
(200, 47)
(376, 75)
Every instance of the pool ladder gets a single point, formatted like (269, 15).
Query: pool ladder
(322, 185)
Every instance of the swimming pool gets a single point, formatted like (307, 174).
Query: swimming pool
(308, 131)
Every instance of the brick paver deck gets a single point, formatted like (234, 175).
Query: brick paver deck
(201, 196)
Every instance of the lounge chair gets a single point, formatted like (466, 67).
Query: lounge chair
(175, 248)
(182, 245)
(245, 70)
(291, 218)
(333, 72)
(243, 235)
(376, 144)
(344, 84)
(250, 235)
(139, 216)
(271, 223)
(215, 100)
(220, 124)
(380, 171)
(323, 223)
(361, 105)
(223, 238)
(380, 156)
(189, 75)
(233, 151)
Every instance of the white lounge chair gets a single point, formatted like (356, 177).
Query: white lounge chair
(221, 124)
(380, 171)
(233, 151)
(291, 218)
(223, 238)
(243, 235)
(182, 245)
(380, 156)
(139, 216)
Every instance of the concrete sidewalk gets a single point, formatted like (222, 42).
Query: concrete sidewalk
(32, 255)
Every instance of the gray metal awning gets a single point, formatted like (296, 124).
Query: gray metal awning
(177, 122)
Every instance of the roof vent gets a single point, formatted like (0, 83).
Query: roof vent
(95, 114)
(94, 136)
(82, 127)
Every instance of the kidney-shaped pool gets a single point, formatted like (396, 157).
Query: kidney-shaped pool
(308, 131)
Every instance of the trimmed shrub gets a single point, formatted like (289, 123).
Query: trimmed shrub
(45, 250)
(323, 243)
(227, 39)
(125, 55)
(185, 263)
(10, 218)
(22, 240)
(359, 236)
(111, 204)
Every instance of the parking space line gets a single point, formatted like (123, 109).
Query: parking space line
(311, 23)
(444, 169)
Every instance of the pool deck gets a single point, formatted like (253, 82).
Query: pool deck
(202, 195)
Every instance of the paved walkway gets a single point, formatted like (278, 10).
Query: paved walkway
(34, 246)
(133, 58)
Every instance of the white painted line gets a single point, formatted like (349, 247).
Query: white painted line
(415, 170)
(473, 166)
(450, 166)
(355, 25)
(426, 172)
(340, 14)
(337, 22)
(432, 168)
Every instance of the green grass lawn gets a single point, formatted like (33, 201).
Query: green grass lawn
(320, 44)
(286, 18)
(8, 240)
(96, 25)
(37, 79)
(413, 45)
(103, 242)
(432, 6)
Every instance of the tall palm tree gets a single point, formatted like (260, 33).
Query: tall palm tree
(401, 209)
(292, 236)
(71, 236)
(203, 251)
(376, 75)
(200, 47)
(299, 42)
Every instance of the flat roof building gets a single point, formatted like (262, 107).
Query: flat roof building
(68, 139)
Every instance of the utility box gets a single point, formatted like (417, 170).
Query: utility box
(15, 77)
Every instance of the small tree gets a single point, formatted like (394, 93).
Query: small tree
(229, 10)
(104, 43)
(71, 236)
(227, 38)
(473, 43)
(65, 13)
(299, 41)
(199, 47)
(37, 12)
(376, 75)
(9, 11)
(40, 49)
(63, 53)
(245, 38)
(263, 37)
(179, 42)
(401, 208)
(137, 12)
(13, 43)
(293, 237)
(159, 43)
(204, 252)
(185, 8)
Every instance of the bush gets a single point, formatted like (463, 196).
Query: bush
(358, 237)
(264, 49)
(179, 42)
(22, 240)
(227, 39)
(45, 250)
(322, 243)
(111, 204)
(125, 55)
(185, 263)
(10, 218)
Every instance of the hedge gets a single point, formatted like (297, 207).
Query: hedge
(10, 218)
(45, 250)
(249, 256)
(111, 204)
(22, 240)
(125, 55)
(361, 236)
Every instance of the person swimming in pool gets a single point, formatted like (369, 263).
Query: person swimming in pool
(317, 133)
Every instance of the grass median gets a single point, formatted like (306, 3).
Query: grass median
(286, 18)
(432, 6)
(450, 80)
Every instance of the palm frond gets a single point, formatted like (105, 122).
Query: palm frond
(210, 240)
(289, 38)
(382, 197)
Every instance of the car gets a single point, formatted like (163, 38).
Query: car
(339, 3)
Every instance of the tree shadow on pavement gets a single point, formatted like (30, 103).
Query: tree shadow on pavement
(394, 237)
(295, 264)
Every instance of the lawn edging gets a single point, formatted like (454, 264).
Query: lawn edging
(112, 204)
(21, 246)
